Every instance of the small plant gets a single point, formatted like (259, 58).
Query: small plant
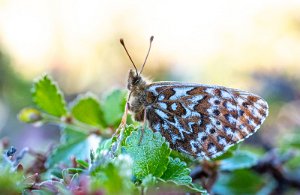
(122, 164)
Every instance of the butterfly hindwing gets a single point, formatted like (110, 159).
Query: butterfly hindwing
(203, 120)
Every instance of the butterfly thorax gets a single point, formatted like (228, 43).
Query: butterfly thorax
(137, 99)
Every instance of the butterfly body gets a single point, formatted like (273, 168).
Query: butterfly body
(200, 120)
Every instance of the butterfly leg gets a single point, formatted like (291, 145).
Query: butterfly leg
(123, 121)
(120, 132)
(124, 117)
(143, 127)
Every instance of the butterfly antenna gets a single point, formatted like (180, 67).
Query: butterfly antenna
(151, 39)
(123, 44)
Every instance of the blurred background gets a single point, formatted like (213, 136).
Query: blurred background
(250, 45)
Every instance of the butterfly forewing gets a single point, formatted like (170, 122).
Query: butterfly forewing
(203, 120)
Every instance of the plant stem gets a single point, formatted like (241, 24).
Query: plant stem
(75, 125)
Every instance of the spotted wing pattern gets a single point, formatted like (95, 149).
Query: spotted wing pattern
(203, 120)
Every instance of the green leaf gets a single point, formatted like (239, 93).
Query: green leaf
(238, 182)
(229, 153)
(294, 162)
(169, 187)
(104, 145)
(127, 132)
(151, 156)
(47, 96)
(74, 170)
(64, 152)
(82, 164)
(69, 135)
(29, 115)
(149, 180)
(177, 172)
(268, 188)
(87, 109)
(291, 140)
(154, 185)
(38, 192)
(11, 182)
(73, 143)
(113, 175)
(257, 150)
(113, 107)
(240, 160)
(197, 188)
(183, 157)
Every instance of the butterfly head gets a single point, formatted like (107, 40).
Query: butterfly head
(134, 80)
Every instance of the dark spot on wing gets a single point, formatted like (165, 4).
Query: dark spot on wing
(241, 112)
(227, 116)
(245, 104)
(210, 145)
(217, 102)
(212, 131)
(216, 112)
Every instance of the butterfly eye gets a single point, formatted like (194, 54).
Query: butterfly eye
(136, 80)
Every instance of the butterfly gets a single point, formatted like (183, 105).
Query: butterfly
(196, 119)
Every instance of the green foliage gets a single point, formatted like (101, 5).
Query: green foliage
(127, 132)
(291, 140)
(229, 153)
(11, 181)
(13, 87)
(113, 107)
(152, 163)
(240, 160)
(177, 172)
(73, 143)
(239, 182)
(150, 155)
(47, 96)
(155, 185)
(87, 109)
(113, 175)
(131, 159)
(294, 162)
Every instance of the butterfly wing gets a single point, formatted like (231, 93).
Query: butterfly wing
(203, 120)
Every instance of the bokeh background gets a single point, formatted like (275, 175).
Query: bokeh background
(250, 45)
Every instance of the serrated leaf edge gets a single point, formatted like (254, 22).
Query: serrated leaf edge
(59, 92)
(159, 174)
(185, 168)
(88, 95)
